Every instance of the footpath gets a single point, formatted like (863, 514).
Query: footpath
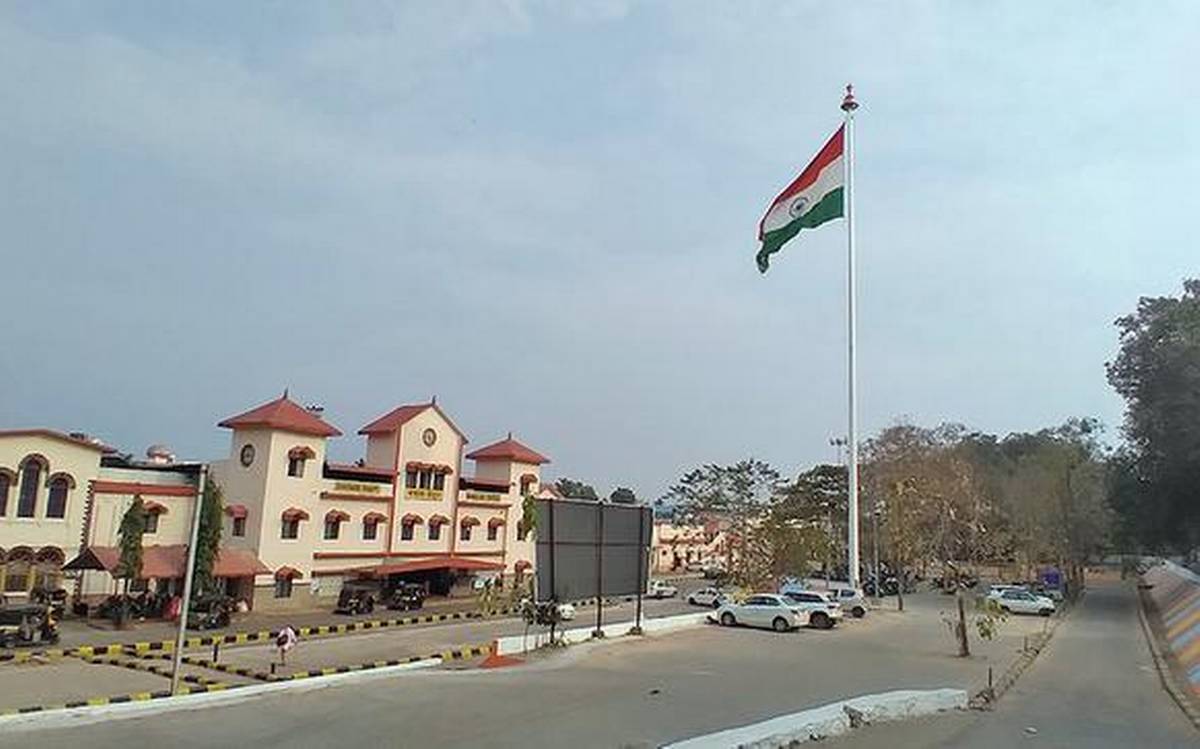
(1094, 686)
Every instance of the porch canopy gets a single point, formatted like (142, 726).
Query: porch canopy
(170, 561)
(433, 563)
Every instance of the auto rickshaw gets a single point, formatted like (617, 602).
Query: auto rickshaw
(27, 624)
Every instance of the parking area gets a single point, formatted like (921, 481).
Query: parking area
(666, 687)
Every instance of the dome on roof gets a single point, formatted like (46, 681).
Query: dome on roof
(160, 454)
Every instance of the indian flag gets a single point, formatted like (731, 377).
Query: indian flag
(812, 199)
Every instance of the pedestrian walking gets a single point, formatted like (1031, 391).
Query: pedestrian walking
(285, 641)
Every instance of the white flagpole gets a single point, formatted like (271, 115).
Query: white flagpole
(848, 106)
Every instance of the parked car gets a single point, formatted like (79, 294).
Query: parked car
(660, 589)
(359, 597)
(995, 591)
(713, 597)
(212, 612)
(817, 608)
(713, 572)
(852, 601)
(1016, 601)
(27, 624)
(406, 597)
(767, 610)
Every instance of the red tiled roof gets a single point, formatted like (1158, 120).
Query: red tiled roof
(508, 449)
(166, 562)
(282, 414)
(469, 520)
(236, 511)
(303, 451)
(438, 520)
(434, 563)
(399, 416)
(285, 572)
(374, 517)
(153, 506)
(411, 519)
(468, 482)
(337, 515)
(495, 522)
(294, 513)
(61, 437)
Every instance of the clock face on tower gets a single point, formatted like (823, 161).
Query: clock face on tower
(429, 437)
(247, 456)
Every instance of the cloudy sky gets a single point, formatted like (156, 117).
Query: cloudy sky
(545, 214)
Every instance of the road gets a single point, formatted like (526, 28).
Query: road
(1094, 686)
(621, 694)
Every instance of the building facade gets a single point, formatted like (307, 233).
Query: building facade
(407, 511)
(61, 493)
(416, 508)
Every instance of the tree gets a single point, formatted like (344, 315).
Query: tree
(1157, 372)
(572, 489)
(819, 499)
(129, 566)
(739, 494)
(208, 541)
(623, 495)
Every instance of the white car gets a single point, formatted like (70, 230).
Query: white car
(659, 589)
(1017, 601)
(763, 610)
(996, 591)
(853, 601)
(711, 597)
(817, 607)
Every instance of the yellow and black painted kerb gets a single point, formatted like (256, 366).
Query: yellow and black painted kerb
(150, 668)
(456, 654)
(121, 698)
(226, 668)
(238, 638)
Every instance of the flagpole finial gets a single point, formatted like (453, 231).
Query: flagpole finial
(848, 102)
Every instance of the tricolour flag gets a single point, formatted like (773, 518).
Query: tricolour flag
(816, 196)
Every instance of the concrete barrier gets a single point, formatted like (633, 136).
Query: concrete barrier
(1175, 593)
(833, 719)
(515, 644)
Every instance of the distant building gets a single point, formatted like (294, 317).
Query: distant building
(676, 547)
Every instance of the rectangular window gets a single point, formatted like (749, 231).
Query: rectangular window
(283, 587)
(296, 467)
(239, 527)
(464, 533)
(406, 532)
(410, 479)
(290, 529)
(370, 531)
(435, 531)
(151, 522)
(439, 481)
(332, 529)
(492, 531)
(426, 479)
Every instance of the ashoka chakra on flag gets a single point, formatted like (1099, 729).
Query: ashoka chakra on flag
(816, 196)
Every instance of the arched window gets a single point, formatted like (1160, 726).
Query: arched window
(465, 525)
(494, 526)
(7, 479)
(56, 502)
(407, 523)
(296, 458)
(31, 475)
(17, 570)
(47, 575)
(528, 481)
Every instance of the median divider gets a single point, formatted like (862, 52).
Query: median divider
(150, 668)
(117, 699)
(515, 644)
(454, 654)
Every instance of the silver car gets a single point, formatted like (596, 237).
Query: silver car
(853, 601)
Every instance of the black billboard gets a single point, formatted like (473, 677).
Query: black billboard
(585, 548)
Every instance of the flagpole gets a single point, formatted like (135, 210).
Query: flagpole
(848, 107)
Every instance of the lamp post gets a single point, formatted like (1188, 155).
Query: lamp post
(837, 443)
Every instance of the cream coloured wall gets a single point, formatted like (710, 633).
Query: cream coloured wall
(446, 450)
(381, 450)
(79, 462)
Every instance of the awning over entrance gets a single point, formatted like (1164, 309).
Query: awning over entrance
(166, 562)
(433, 563)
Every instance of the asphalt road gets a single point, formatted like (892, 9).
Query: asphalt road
(621, 694)
(1094, 686)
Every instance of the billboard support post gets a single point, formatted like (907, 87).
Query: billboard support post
(553, 596)
(637, 616)
(599, 631)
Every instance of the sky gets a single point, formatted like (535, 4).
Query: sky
(545, 214)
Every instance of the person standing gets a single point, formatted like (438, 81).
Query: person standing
(285, 641)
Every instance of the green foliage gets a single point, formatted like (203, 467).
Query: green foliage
(1157, 372)
(572, 489)
(623, 495)
(529, 515)
(988, 617)
(133, 526)
(209, 539)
